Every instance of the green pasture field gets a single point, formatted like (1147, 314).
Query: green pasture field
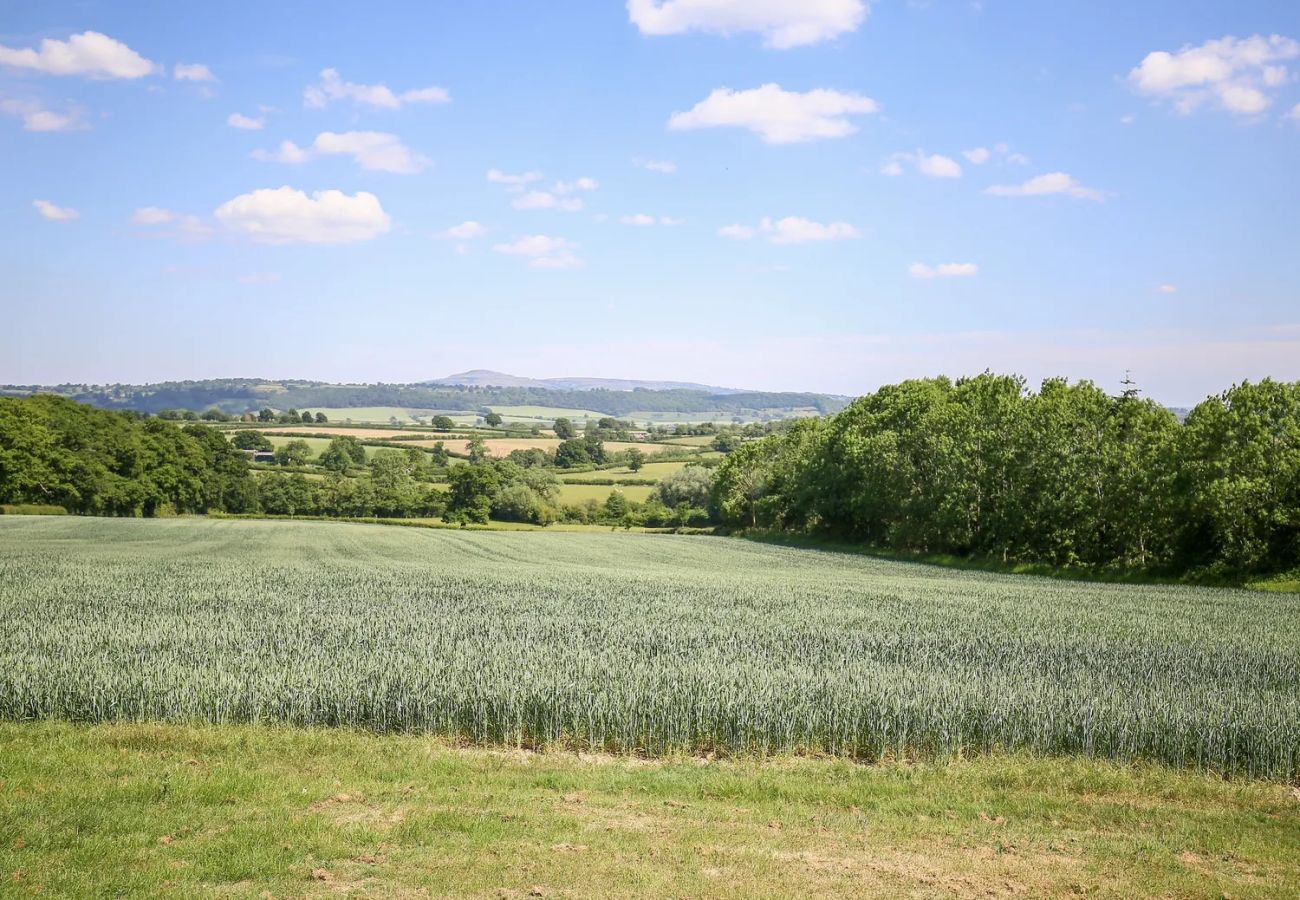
(145, 810)
(691, 440)
(654, 470)
(648, 644)
(575, 494)
(545, 413)
(376, 415)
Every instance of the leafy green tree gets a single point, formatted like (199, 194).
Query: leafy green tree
(492, 419)
(616, 506)
(321, 418)
(472, 488)
(564, 429)
(442, 423)
(293, 453)
(635, 459)
(250, 439)
(343, 452)
(691, 485)
(477, 450)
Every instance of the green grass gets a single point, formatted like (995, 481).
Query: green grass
(376, 415)
(249, 811)
(31, 509)
(626, 642)
(545, 413)
(580, 493)
(655, 470)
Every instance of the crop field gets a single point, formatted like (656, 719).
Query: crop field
(627, 642)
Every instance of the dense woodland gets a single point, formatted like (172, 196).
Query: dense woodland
(239, 395)
(1067, 476)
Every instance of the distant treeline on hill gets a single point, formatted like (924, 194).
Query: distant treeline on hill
(239, 395)
(1067, 476)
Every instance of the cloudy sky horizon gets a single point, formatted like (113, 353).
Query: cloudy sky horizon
(816, 195)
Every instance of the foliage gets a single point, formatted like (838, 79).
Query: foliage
(690, 485)
(343, 451)
(1067, 476)
(251, 439)
(293, 453)
(54, 451)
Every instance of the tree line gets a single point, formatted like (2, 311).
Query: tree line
(1067, 476)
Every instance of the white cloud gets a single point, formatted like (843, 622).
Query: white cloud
(515, 182)
(90, 53)
(55, 213)
(932, 164)
(543, 251)
(737, 232)
(639, 219)
(783, 23)
(1294, 114)
(937, 166)
(247, 123)
(670, 221)
(284, 215)
(581, 184)
(1127, 120)
(1052, 183)
(791, 230)
(777, 116)
(332, 87)
(797, 230)
(288, 152)
(192, 72)
(182, 227)
(662, 166)
(546, 200)
(1236, 75)
(465, 231)
(943, 270)
(375, 151)
(978, 156)
(1167, 289)
(37, 118)
(152, 215)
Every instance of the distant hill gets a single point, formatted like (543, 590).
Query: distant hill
(638, 399)
(489, 378)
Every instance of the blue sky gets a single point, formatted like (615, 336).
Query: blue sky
(1054, 189)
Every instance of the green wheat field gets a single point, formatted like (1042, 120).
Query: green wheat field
(633, 643)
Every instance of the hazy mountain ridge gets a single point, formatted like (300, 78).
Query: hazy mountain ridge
(490, 378)
(239, 395)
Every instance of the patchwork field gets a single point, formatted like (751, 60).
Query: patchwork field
(648, 470)
(350, 430)
(381, 415)
(580, 493)
(546, 413)
(627, 642)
